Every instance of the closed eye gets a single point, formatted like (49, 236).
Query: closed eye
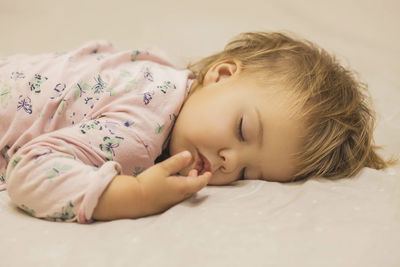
(240, 130)
(241, 138)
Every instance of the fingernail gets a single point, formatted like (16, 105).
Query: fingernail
(186, 154)
(210, 175)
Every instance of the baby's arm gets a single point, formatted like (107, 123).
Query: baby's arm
(151, 192)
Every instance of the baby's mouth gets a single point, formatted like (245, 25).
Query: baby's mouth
(202, 164)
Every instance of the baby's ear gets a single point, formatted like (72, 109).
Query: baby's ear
(220, 71)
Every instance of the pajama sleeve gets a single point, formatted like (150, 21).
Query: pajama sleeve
(62, 174)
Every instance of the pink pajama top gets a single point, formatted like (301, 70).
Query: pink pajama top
(69, 123)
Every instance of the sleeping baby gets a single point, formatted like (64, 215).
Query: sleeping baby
(103, 134)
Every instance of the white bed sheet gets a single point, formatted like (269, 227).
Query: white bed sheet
(350, 222)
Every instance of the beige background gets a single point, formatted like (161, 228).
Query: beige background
(188, 29)
(351, 222)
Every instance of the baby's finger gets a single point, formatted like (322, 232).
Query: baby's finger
(186, 186)
(175, 163)
(193, 172)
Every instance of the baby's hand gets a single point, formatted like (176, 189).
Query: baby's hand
(162, 189)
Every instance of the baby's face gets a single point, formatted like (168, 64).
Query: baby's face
(233, 127)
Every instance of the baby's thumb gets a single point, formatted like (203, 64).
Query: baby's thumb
(175, 163)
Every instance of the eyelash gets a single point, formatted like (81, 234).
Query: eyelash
(241, 138)
(240, 132)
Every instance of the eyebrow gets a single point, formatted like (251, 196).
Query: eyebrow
(260, 129)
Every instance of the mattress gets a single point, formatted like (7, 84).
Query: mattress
(318, 222)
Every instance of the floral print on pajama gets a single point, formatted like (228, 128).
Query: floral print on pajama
(71, 122)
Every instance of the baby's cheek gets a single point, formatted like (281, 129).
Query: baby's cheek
(218, 179)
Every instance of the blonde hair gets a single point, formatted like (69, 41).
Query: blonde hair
(335, 105)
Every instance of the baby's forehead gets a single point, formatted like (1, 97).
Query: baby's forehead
(286, 101)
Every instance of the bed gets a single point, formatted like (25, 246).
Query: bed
(318, 222)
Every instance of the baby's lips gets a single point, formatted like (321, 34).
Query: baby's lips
(206, 163)
(203, 164)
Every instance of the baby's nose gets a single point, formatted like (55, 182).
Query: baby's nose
(229, 160)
